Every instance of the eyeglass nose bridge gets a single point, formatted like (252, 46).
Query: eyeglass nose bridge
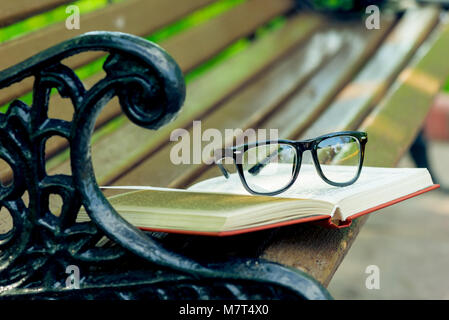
(305, 145)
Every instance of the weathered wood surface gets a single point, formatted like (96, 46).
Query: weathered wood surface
(306, 78)
(124, 146)
(12, 11)
(139, 17)
(265, 96)
(189, 49)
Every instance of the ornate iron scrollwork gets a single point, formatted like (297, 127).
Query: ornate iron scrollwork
(34, 254)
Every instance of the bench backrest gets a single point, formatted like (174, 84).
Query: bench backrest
(190, 48)
(303, 74)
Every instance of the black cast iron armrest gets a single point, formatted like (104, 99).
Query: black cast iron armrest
(35, 254)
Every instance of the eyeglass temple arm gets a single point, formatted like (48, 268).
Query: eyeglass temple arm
(254, 170)
(223, 170)
(219, 155)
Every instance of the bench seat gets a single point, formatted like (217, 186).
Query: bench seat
(306, 76)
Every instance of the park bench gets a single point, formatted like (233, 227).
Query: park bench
(273, 67)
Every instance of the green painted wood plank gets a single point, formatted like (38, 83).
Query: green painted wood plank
(139, 17)
(305, 104)
(13, 11)
(263, 98)
(395, 122)
(203, 94)
(188, 47)
(365, 91)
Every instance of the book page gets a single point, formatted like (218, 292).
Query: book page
(309, 184)
(171, 209)
(374, 187)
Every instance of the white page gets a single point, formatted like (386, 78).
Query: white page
(375, 186)
(309, 184)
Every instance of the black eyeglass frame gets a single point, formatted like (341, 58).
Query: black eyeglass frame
(300, 146)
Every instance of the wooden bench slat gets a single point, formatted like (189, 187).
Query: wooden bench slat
(222, 31)
(139, 17)
(391, 127)
(397, 119)
(13, 11)
(305, 104)
(251, 106)
(303, 107)
(203, 94)
(191, 44)
(356, 99)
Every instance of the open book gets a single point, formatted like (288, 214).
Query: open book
(220, 206)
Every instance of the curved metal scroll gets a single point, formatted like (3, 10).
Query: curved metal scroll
(35, 253)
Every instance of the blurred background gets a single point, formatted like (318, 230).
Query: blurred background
(409, 242)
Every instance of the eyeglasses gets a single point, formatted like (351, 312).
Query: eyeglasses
(271, 167)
